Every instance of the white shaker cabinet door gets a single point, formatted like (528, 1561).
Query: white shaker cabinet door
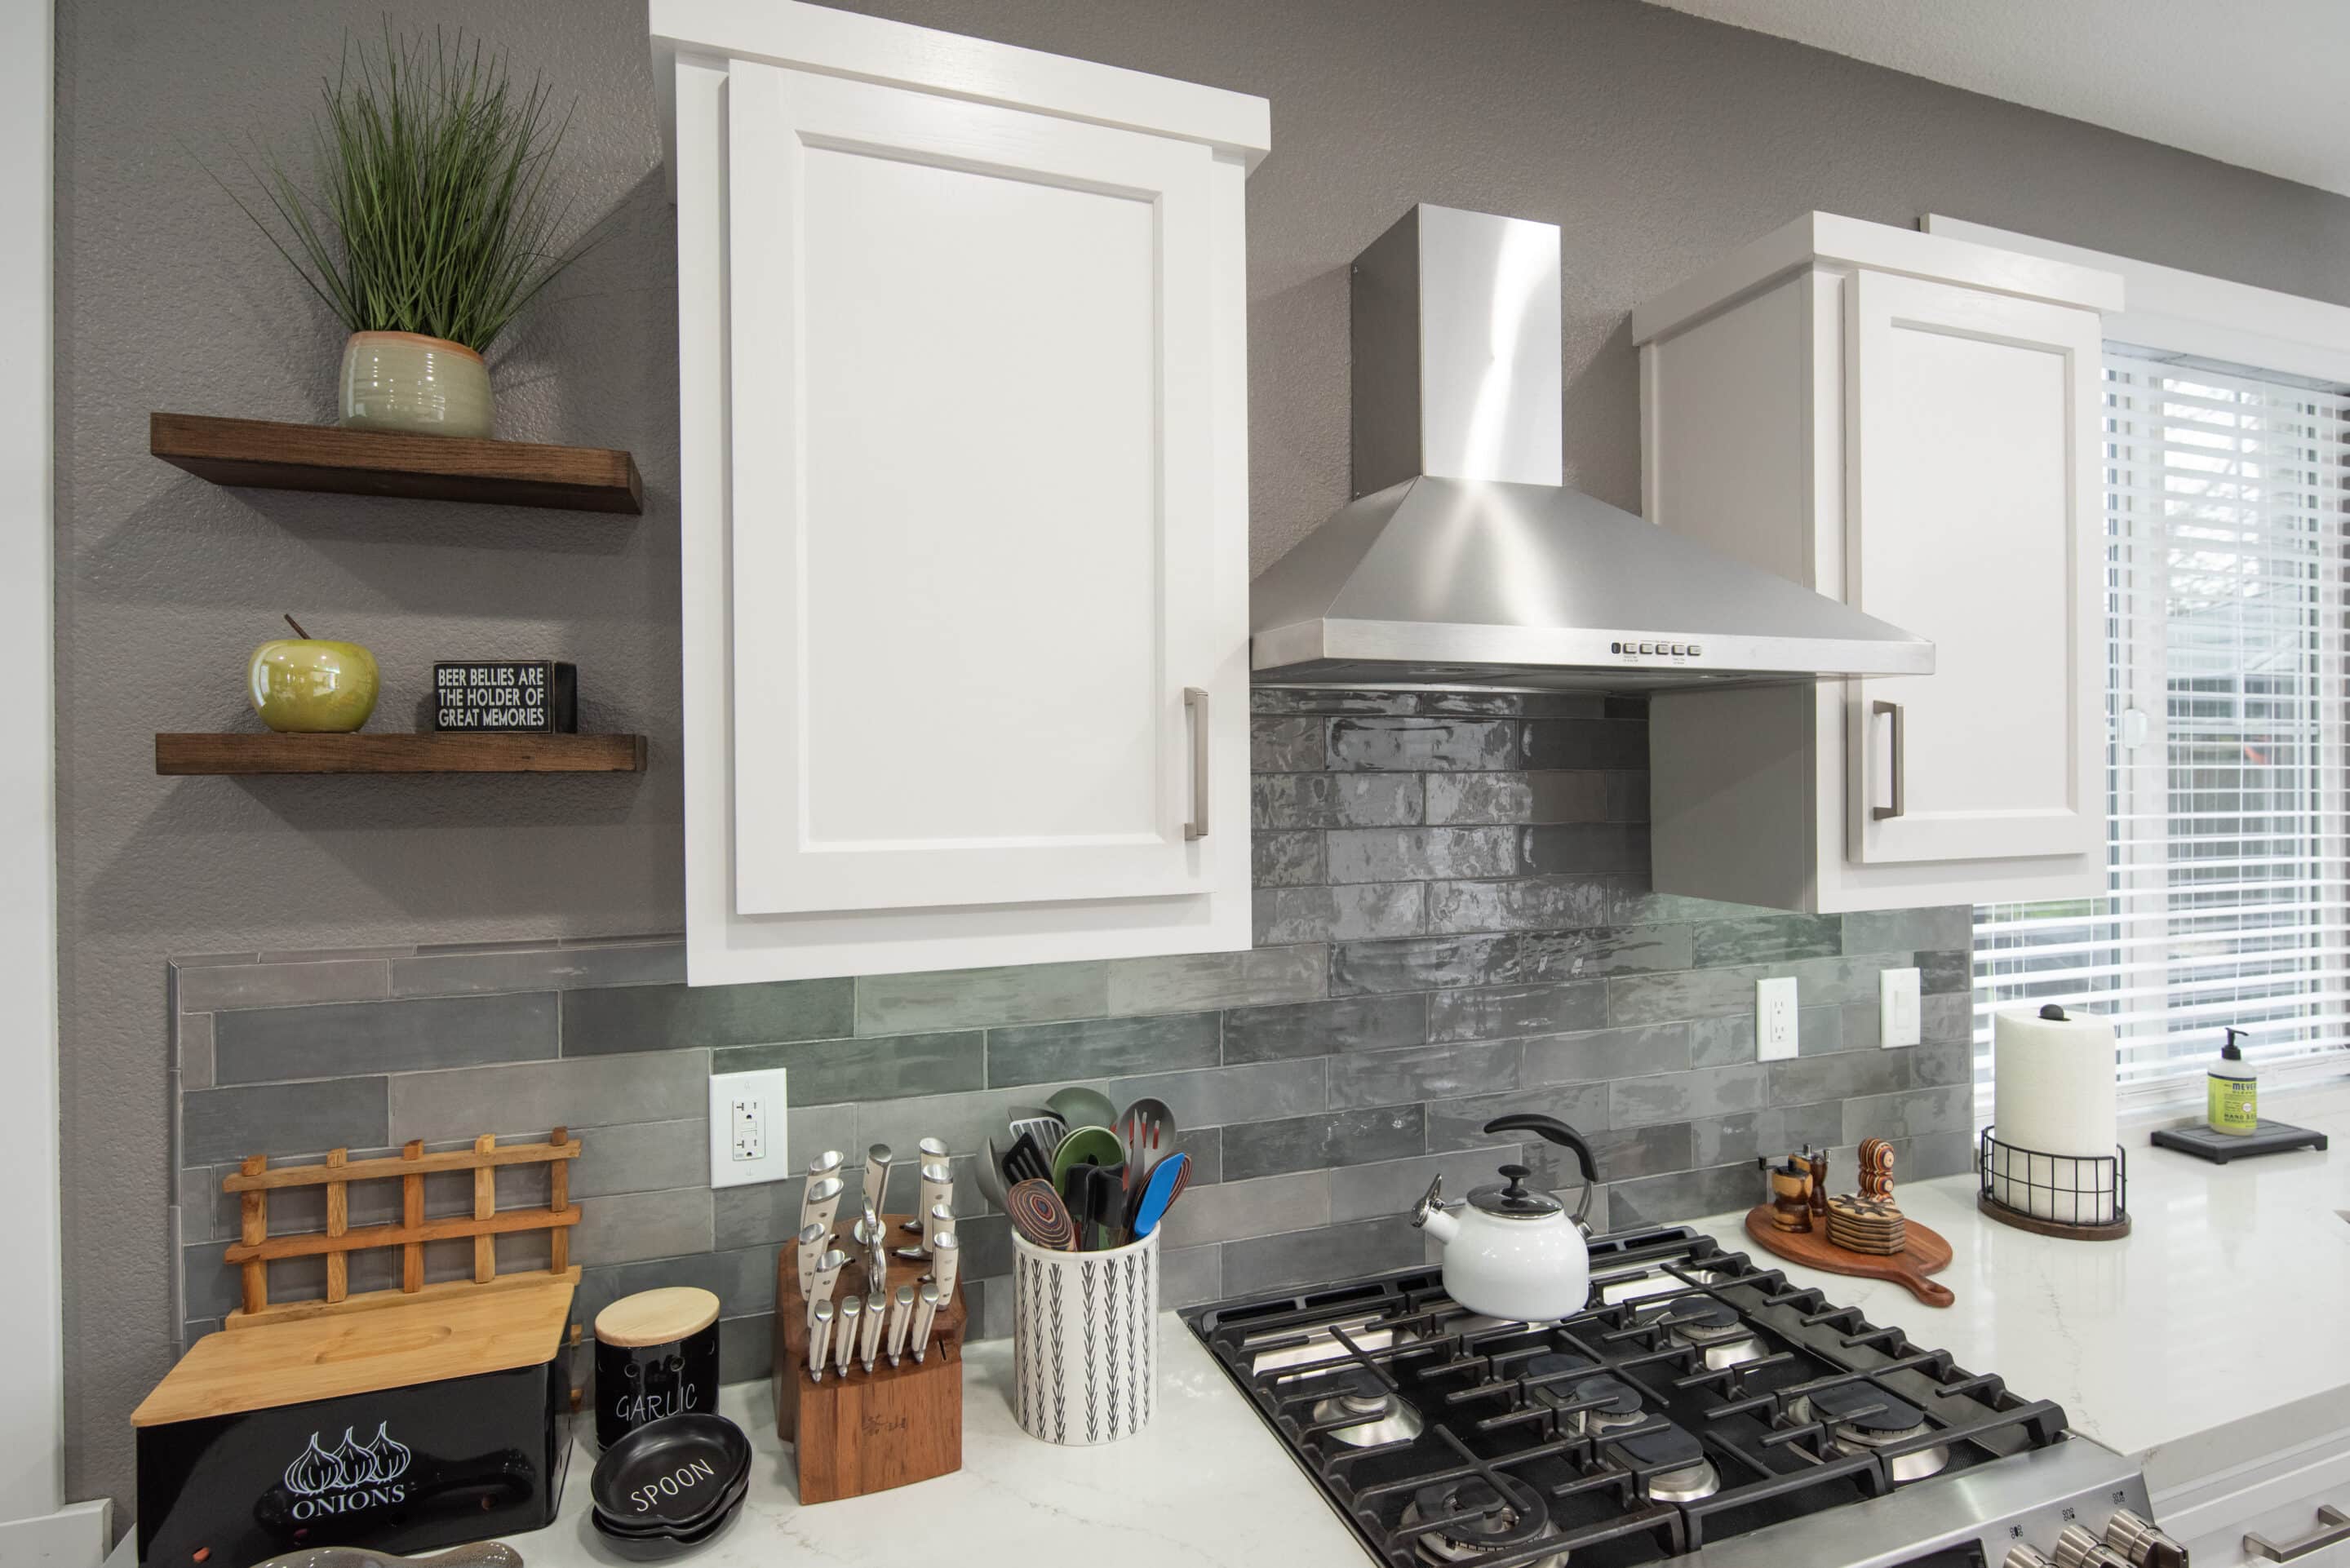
(973, 463)
(1973, 519)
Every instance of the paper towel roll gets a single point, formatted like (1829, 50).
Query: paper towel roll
(2053, 1094)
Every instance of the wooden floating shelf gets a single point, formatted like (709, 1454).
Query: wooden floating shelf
(177, 754)
(268, 455)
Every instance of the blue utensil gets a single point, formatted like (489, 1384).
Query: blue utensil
(1158, 1194)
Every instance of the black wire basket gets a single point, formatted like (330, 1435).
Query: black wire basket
(2085, 1197)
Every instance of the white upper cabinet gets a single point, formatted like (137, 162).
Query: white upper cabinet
(1909, 424)
(962, 356)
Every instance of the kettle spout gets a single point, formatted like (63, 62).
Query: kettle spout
(1429, 1213)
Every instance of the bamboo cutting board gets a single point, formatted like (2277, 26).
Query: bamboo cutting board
(1927, 1253)
(427, 1340)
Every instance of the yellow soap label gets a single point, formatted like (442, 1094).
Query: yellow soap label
(2233, 1104)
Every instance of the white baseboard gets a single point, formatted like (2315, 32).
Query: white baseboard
(75, 1536)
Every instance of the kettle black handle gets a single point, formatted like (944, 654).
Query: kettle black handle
(1557, 1132)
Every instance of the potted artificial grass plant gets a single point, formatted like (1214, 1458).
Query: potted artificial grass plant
(433, 225)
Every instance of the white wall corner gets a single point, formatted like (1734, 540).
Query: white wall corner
(32, 1375)
(75, 1536)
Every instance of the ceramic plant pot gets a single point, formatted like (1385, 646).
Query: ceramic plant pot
(312, 685)
(407, 382)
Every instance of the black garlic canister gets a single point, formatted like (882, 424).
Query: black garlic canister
(656, 1355)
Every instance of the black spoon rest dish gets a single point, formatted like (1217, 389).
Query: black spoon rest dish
(672, 1472)
(621, 1529)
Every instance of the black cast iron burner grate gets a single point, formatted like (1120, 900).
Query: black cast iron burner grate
(1491, 1416)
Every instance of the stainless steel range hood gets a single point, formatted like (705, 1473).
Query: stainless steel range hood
(1465, 563)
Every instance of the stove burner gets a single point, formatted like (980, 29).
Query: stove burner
(1862, 1416)
(1369, 1415)
(1321, 1348)
(1678, 1469)
(1515, 1517)
(1712, 1326)
(1865, 1407)
(1619, 1406)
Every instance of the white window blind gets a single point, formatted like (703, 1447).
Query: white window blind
(2225, 706)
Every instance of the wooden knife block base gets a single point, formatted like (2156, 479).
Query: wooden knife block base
(873, 1430)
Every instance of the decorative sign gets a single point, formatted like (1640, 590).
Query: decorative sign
(519, 696)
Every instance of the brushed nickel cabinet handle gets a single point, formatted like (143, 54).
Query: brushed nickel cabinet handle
(1195, 706)
(1900, 763)
(2333, 1528)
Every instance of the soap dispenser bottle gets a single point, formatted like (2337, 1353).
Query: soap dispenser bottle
(2233, 1091)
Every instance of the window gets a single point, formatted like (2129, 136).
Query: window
(2225, 527)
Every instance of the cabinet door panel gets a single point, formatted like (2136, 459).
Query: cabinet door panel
(971, 531)
(1973, 519)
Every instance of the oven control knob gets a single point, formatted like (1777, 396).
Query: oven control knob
(2021, 1556)
(2076, 1548)
(2139, 1541)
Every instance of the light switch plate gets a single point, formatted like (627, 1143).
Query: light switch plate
(1897, 1007)
(746, 1129)
(1774, 1019)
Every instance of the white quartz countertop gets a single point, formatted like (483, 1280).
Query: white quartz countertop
(2158, 1345)
(1206, 1484)
(2216, 1332)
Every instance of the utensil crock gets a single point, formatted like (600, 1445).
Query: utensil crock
(1084, 1341)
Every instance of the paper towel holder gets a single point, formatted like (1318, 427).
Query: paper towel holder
(2082, 1183)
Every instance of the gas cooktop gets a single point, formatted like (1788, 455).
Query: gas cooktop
(1700, 1406)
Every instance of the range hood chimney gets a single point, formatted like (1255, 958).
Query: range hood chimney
(1464, 562)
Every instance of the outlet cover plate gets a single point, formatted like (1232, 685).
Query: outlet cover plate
(746, 1129)
(1897, 1020)
(1774, 1019)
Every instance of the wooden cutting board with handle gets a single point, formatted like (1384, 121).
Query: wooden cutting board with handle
(1927, 1253)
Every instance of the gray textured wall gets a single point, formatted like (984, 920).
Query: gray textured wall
(1656, 140)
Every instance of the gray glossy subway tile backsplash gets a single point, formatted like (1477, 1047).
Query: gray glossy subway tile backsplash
(1453, 923)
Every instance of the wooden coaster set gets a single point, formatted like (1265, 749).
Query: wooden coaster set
(1864, 1234)
(1867, 1225)
(885, 1408)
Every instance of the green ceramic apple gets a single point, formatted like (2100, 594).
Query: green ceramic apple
(307, 685)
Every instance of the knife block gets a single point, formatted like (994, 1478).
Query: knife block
(873, 1430)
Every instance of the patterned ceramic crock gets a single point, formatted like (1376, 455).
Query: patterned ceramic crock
(1084, 1341)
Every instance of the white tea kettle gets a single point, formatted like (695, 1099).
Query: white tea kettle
(1511, 1252)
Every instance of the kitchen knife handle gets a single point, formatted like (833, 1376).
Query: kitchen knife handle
(877, 1317)
(943, 1258)
(1900, 762)
(820, 1202)
(819, 1340)
(901, 1318)
(2333, 1528)
(844, 1334)
(811, 1242)
(876, 1176)
(1195, 707)
(937, 1191)
(827, 1274)
(926, 1312)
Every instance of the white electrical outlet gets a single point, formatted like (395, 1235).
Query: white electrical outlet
(1774, 1019)
(1897, 1007)
(747, 1141)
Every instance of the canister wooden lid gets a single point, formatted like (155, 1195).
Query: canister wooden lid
(656, 1317)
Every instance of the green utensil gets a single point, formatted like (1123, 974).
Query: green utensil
(1085, 1146)
(1083, 1108)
